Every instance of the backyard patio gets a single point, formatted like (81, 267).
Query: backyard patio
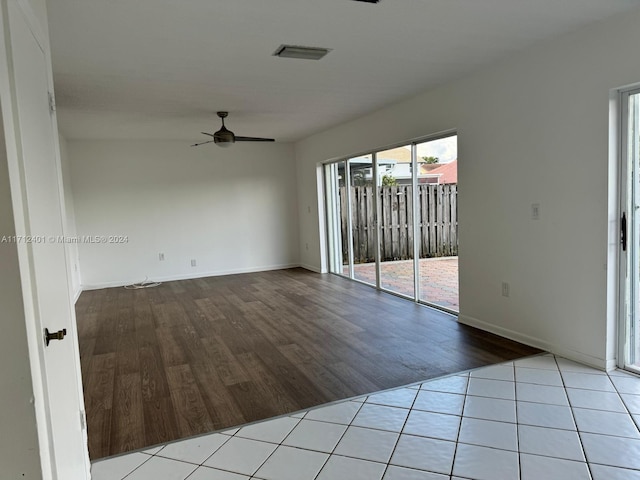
(438, 279)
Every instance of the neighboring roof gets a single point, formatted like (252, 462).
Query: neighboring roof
(448, 172)
(400, 154)
(427, 167)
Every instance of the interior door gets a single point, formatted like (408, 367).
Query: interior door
(46, 289)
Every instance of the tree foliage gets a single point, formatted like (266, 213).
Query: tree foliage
(389, 181)
(430, 160)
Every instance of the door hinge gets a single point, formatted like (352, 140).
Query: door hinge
(52, 103)
(83, 420)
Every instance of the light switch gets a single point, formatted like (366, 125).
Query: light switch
(535, 211)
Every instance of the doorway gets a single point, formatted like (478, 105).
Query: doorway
(392, 220)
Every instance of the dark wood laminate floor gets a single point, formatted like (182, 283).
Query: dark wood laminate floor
(193, 356)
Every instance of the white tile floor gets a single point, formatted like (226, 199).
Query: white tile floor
(542, 417)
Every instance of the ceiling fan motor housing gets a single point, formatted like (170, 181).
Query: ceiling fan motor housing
(224, 137)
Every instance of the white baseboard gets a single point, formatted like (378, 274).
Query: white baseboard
(76, 295)
(612, 364)
(311, 268)
(188, 276)
(556, 349)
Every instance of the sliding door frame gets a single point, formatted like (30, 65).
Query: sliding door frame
(376, 185)
(332, 215)
(629, 294)
(378, 234)
(416, 229)
(347, 184)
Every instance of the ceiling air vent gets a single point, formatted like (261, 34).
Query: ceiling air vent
(295, 51)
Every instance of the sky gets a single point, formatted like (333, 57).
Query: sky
(446, 149)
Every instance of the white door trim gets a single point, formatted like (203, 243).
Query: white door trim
(626, 290)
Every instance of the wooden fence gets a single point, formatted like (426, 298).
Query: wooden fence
(437, 219)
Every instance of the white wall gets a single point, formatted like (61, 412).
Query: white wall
(39, 8)
(232, 210)
(533, 129)
(70, 220)
(19, 450)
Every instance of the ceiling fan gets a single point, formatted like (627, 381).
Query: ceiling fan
(226, 138)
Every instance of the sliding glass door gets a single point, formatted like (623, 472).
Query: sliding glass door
(437, 211)
(338, 238)
(363, 218)
(392, 220)
(629, 352)
(395, 214)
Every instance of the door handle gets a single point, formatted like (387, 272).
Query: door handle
(623, 231)
(59, 335)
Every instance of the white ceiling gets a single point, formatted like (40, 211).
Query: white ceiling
(162, 68)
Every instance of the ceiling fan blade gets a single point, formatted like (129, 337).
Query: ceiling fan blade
(205, 133)
(253, 139)
(202, 143)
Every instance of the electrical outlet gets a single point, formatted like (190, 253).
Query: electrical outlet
(535, 211)
(193, 263)
(505, 289)
(161, 257)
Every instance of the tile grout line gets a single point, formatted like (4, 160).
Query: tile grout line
(212, 454)
(139, 466)
(197, 465)
(341, 437)
(278, 445)
(573, 416)
(515, 401)
(123, 478)
(395, 446)
(624, 404)
(464, 404)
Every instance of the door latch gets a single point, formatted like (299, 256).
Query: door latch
(59, 335)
